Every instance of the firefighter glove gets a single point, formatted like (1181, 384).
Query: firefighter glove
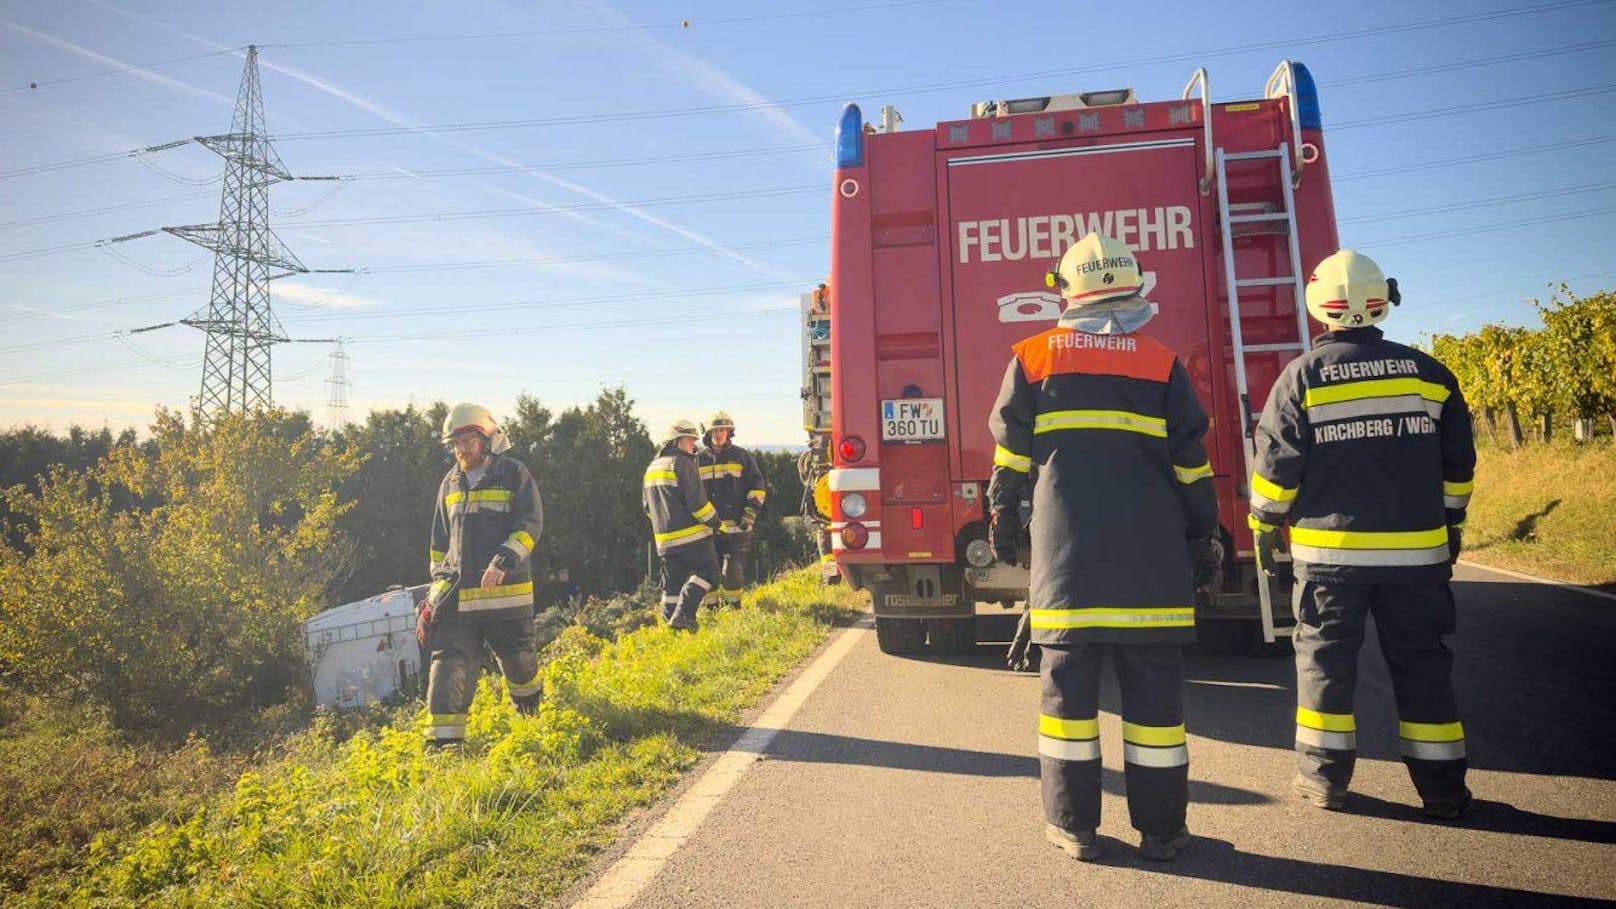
(1455, 542)
(748, 519)
(1206, 563)
(1021, 657)
(1268, 542)
(1003, 534)
(423, 623)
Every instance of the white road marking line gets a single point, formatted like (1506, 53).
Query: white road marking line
(634, 870)
(1537, 580)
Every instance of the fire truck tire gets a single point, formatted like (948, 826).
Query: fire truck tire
(952, 636)
(900, 636)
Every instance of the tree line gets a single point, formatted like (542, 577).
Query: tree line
(1519, 381)
(164, 579)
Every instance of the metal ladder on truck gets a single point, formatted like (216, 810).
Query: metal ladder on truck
(1285, 220)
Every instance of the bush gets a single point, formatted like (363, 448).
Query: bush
(185, 614)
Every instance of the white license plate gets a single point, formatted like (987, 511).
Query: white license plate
(911, 419)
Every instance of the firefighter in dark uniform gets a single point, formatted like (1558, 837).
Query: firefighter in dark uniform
(683, 522)
(485, 522)
(1124, 528)
(1365, 448)
(736, 487)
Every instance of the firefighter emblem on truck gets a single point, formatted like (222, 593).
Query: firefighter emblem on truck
(1045, 305)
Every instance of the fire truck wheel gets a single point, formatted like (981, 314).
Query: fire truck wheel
(900, 636)
(951, 636)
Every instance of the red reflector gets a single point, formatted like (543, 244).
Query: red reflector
(916, 520)
(852, 448)
(854, 536)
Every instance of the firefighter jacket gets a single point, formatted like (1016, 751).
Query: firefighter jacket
(494, 523)
(675, 501)
(1112, 430)
(1365, 447)
(734, 485)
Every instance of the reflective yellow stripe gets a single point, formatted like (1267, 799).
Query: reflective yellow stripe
(1268, 489)
(681, 534)
(448, 719)
(713, 471)
(491, 495)
(1356, 539)
(652, 475)
(1326, 722)
(521, 542)
(828, 558)
(525, 689)
(707, 511)
(492, 593)
(438, 555)
(1156, 736)
(454, 498)
(1254, 523)
(1431, 732)
(1116, 617)
(1004, 457)
(1192, 474)
(1450, 488)
(1071, 730)
(1100, 419)
(758, 495)
(1375, 388)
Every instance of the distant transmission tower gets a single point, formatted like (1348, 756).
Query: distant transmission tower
(337, 388)
(241, 328)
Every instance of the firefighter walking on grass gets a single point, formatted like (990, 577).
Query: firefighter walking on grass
(735, 486)
(485, 522)
(1365, 448)
(1124, 528)
(682, 523)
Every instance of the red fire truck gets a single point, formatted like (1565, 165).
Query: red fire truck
(940, 241)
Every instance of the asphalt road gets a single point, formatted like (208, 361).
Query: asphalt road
(911, 782)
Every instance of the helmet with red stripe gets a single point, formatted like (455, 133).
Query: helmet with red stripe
(1348, 290)
(1095, 269)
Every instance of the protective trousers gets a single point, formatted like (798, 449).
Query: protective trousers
(688, 573)
(734, 554)
(1155, 759)
(457, 657)
(1411, 620)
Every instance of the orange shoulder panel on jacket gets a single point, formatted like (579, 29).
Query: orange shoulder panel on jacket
(1062, 351)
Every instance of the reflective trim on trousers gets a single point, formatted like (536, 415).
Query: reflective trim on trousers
(504, 596)
(1069, 750)
(1319, 738)
(1115, 617)
(1149, 756)
(699, 582)
(447, 726)
(1434, 751)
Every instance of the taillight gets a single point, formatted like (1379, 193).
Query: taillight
(852, 448)
(917, 519)
(854, 536)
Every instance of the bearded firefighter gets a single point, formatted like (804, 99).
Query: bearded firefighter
(1124, 528)
(485, 522)
(736, 487)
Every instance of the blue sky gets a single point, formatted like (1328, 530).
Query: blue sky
(691, 305)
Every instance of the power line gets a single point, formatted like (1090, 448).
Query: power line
(558, 209)
(400, 173)
(908, 90)
(1465, 64)
(116, 70)
(1481, 203)
(606, 257)
(101, 304)
(599, 29)
(1471, 159)
(105, 210)
(1485, 228)
(1134, 63)
(1540, 98)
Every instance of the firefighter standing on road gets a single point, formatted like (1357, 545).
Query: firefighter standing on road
(1365, 447)
(682, 523)
(485, 522)
(736, 487)
(1124, 528)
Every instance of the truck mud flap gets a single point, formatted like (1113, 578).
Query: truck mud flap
(921, 592)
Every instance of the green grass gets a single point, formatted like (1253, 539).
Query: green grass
(513, 819)
(1548, 510)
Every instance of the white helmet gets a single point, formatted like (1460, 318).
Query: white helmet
(1095, 269)
(464, 418)
(1348, 290)
(681, 429)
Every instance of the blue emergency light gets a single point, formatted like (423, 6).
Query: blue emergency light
(850, 137)
(1307, 98)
